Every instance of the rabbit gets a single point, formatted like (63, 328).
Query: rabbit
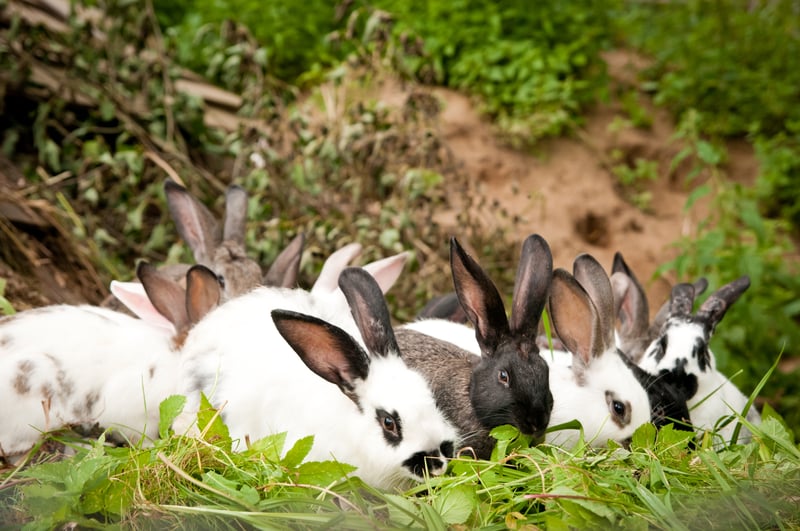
(630, 304)
(385, 270)
(305, 372)
(225, 253)
(446, 307)
(592, 382)
(681, 353)
(84, 365)
(504, 380)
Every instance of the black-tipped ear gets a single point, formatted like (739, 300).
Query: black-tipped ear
(594, 280)
(681, 300)
(284, 270)
(531, 287)
(369, 311)
(326, 349)
(166, 296)
(479, 298)
(574, 317)
(713, 309)
(235, 214)
(195, 223)
(203, 292)
(446, 307)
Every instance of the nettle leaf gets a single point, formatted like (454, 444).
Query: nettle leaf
(269, 447)
(456, 504)
(169, 409)
(644, 437)
(298, 452)
(211, 427)
(402, 511)
(322, 473)
(246, 494)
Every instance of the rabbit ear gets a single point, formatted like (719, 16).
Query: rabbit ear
(329, 275)
(203, 292)
(531, 286)
(134, 297)
(235, 214)
(630, 306)
(479, 298)
(700, 285)
(195, 223)
(681, 300)
(592, 278)
(713, 309)
(369, 311)
(386, 270)
(445, 307)
(165, 294)
(284, 270)
(325, 349)
(575, 318)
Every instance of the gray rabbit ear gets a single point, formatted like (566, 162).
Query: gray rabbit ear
(700, 285)
(284, 270)
(479, 298)
(630, 300)
(594, 280)
(713, 309)
(327, 350)
(166, 296)
(681, 300)
(203, 292)
(195, 223)
(575, 319)
(531, 286)
(235, 214)
(369, 311)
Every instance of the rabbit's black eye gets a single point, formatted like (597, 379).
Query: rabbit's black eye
(619, 408)
(502, 377)
(392, 431)
(221, 281)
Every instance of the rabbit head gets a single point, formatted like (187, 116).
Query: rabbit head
(222, 249)
(597, 386)
(510, 383)
(402, 434)
(682, 347)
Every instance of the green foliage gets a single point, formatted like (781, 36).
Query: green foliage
(737, 63)
(534, 65)
(6, 308)
(778, 185)
(659, 482)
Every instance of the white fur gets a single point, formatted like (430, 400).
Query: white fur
(77, 356)
(584, 398)
(716, 397)
(244, 364)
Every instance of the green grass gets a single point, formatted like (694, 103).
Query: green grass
(659, 482)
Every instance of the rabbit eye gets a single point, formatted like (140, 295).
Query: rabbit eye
(221, 281)
(619, 408)
(502, 377)
(392, 431)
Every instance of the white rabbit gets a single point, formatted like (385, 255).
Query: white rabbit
(308, 374)
(82, 365)
(593, 382)
(681, 354)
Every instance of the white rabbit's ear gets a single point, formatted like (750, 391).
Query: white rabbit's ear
(369, 311)
(630, 301)
(327, 350)
(594, 280)
(713, 309)
(387, 270)
(284, 270)
(133, 296)
(235, 214)
(203, 292)
(195, 223)
(328, 280)
(479, 298)
(166, 295)
(575, 319)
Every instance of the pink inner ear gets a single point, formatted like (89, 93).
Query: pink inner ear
(133, 296)
(386, 271)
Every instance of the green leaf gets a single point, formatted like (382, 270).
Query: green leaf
(169, 409)
(298, 452)
(269, 447)
(322, 473)
(456, 504)
(211, 427)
